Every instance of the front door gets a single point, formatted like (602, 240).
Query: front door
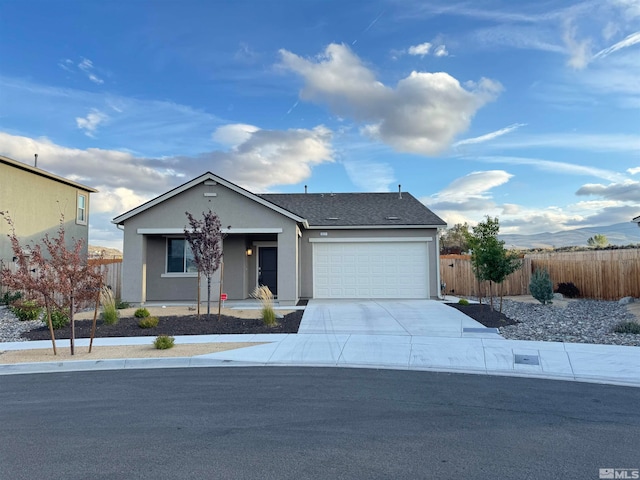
(268, 268)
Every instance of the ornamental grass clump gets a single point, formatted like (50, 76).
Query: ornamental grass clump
(627, 327)
(164, 342)
(148, 322)
(265, 296)
(110, 314)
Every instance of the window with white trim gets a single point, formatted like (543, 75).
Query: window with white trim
(180, 257)
(81, 210)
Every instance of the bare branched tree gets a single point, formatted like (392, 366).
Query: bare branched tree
(205, 239)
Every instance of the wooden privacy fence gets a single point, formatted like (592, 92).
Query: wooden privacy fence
(111, 274)
(598, 274)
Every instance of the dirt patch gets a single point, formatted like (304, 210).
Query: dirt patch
(116, 352)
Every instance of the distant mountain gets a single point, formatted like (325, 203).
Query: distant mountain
(619, 234)
(96, 251)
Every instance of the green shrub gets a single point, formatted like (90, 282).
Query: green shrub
(120, 305)
(463, 301)
(627, 327)
(541, 286)
(26, 310)
(164, 342)
(110, 317)
(141, 313)
(8, 298)
(59, 319)
(568, 290)
(148, 322)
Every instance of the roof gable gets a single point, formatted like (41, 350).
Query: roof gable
(197, 181)
(357, 209)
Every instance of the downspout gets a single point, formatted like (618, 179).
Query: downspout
(438, 280)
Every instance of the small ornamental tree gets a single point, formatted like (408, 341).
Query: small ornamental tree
(489, 259)
(541, 286)
(205, 239)
(59, 277)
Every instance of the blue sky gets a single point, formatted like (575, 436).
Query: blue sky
(529, 111)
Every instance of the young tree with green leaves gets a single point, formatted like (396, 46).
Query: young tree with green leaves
(205, 239)
(454, 239)
(598, 240)
(489, 259)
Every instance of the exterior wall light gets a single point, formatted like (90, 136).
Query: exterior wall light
(249, 252)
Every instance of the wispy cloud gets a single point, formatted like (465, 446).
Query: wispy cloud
(572, 141)
(469, 193)
(489, 136)
(553, 166)
(84, 66)
(629, 41)
(370, 176)
(90, 123)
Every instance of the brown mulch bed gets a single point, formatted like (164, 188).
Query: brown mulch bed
(177, 325)
(484, 315)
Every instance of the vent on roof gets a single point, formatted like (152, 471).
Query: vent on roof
(392, 218)
(332, 218)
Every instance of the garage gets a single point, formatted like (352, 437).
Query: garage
(395, 268)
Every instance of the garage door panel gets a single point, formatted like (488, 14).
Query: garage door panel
(371, 270)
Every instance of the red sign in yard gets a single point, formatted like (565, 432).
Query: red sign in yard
(223, 296)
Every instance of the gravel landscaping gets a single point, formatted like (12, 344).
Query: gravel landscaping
(580, 321)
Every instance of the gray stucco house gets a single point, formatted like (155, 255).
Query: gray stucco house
(35, 199)
(343, 245)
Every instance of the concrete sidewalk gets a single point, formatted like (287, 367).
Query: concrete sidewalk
(407, 335)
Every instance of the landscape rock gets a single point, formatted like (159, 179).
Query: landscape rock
(626, 300)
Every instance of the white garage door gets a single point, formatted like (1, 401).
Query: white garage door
(371, 270)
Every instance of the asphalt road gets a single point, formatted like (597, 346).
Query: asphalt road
(296, 423)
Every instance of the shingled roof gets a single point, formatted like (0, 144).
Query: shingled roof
(356, 209)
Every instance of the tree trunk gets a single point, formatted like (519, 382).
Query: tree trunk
(73, 326)
(208, 296)
(53, 337)
(501, 295)
(491, 294)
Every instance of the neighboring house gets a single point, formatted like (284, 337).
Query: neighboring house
(35, 201)
(637, 220)
(343, 245)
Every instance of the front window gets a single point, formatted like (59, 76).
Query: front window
(81, 214)
(179, 256)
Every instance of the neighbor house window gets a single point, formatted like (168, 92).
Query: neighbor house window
(180, 256)
(81, 215)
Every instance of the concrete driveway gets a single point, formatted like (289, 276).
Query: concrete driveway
(429, 318)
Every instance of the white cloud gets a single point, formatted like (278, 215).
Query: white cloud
(489, 136)
(579, 50)
(233, 135)
(91, 122)
(421, 115)
(633, 170)
(421, 49)
(370, 176)
(441, 51)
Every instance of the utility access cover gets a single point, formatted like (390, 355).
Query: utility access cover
(527, 359)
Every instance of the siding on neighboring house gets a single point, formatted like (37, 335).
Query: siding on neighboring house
(35, 200)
